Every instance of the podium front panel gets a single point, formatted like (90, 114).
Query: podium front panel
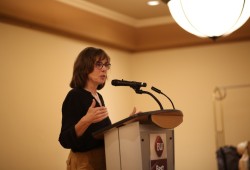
(130, 147)
(151, 160)
(112, 150)
(139, 146)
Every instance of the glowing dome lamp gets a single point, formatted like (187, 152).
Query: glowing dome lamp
(209, 18)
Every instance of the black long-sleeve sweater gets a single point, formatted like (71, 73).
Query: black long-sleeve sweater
(75, 106)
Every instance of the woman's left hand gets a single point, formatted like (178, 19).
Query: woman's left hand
(134, 112)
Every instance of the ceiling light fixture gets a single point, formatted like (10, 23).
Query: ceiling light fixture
(153, 3)
(209, 18)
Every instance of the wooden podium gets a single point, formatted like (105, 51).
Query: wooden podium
(144, 141)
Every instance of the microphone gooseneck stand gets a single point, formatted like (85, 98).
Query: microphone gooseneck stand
(159, 91)
(137, 85)
(139, 91)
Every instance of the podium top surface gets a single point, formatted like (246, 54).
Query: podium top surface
(167, 119)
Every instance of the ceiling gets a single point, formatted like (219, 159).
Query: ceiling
(129, 25)
(134, 13)
(137, 9)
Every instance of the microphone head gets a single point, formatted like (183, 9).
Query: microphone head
(132, 84)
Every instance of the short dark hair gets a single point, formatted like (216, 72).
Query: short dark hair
(84, 65)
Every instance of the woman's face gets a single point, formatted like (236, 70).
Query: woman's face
(99, 74)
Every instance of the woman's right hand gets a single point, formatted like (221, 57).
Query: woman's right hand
(96, 114)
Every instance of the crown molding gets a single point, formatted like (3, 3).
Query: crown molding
(118, 17)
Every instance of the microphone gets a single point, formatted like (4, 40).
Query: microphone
(132, 84)
(136, 86)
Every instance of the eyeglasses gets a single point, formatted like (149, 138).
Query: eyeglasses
(99, 65)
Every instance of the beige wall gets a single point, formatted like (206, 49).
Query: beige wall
(189, 76)
(35, 71)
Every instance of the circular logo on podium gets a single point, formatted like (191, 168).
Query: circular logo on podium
(159, 146)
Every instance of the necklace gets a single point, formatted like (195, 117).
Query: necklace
(96, 96)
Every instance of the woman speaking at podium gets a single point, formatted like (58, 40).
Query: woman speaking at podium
(84, 111)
